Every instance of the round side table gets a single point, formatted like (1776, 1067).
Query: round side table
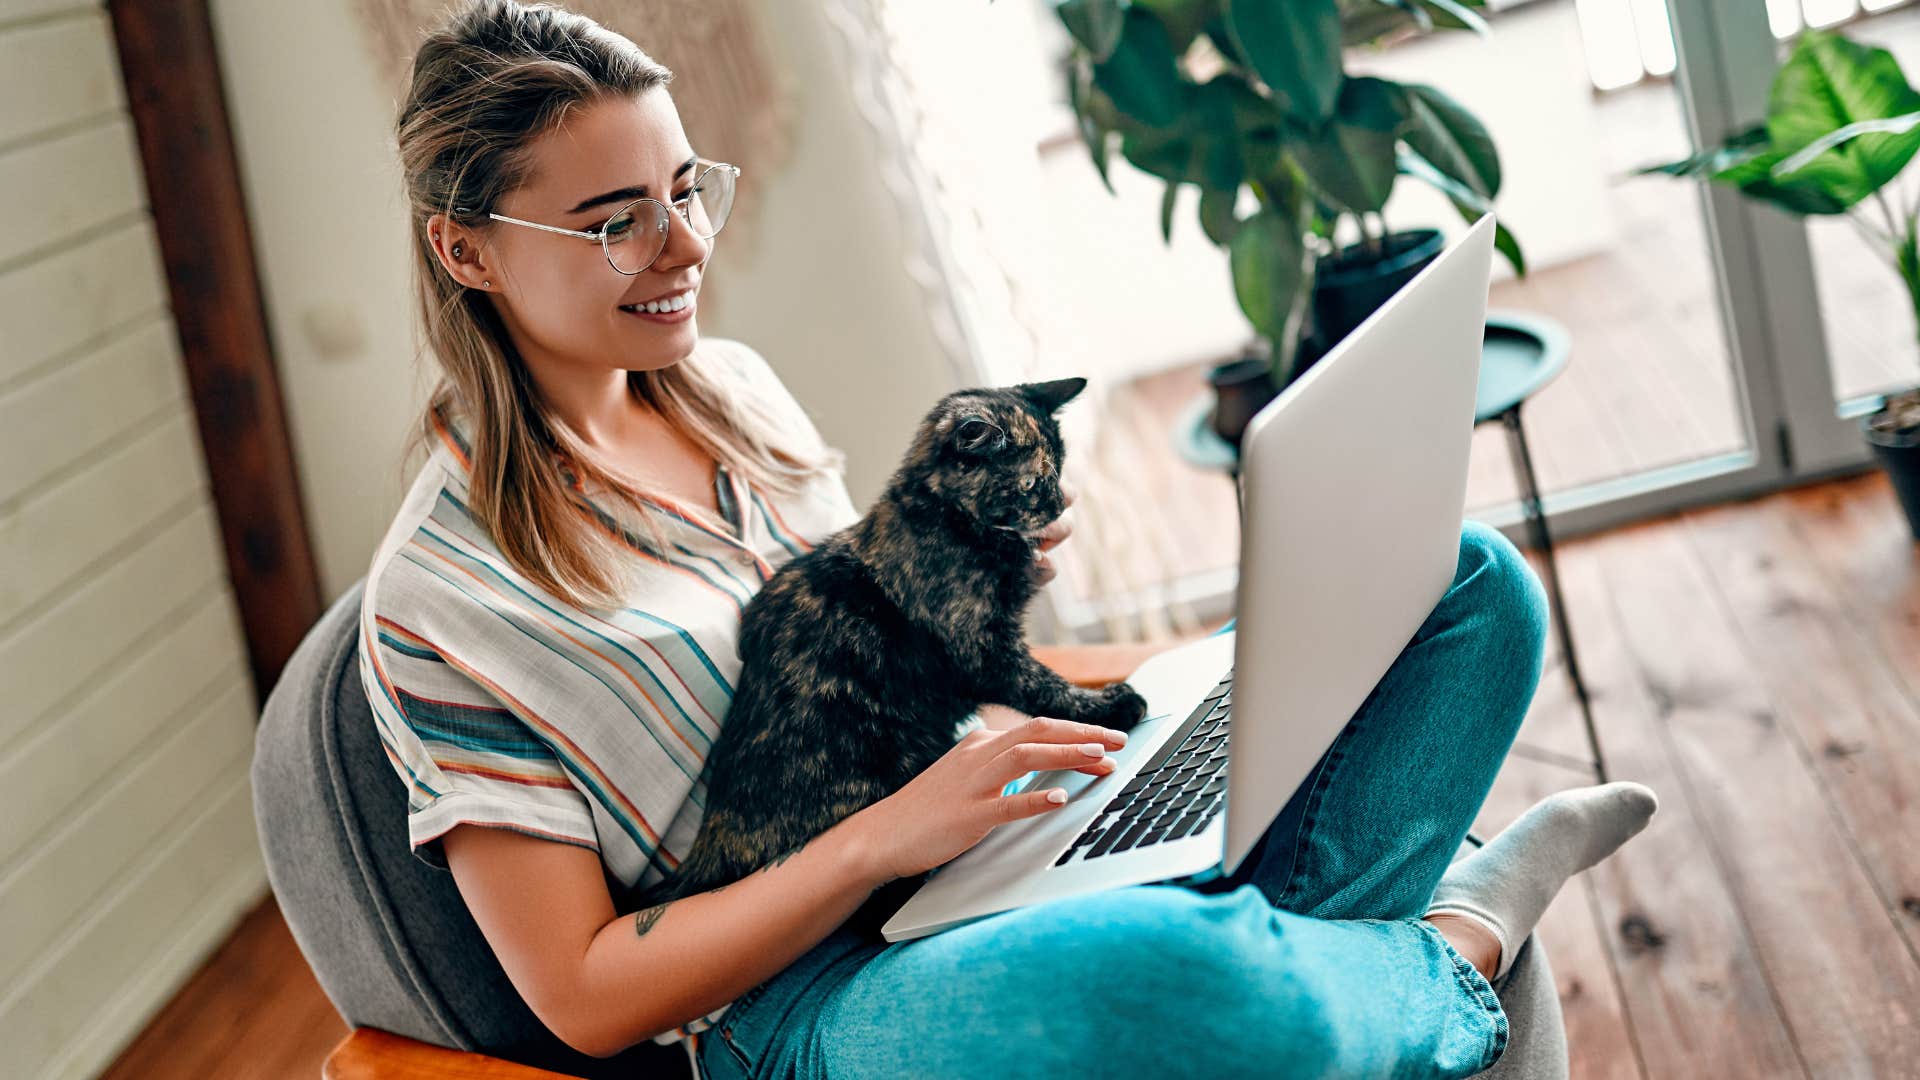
(1524, 351)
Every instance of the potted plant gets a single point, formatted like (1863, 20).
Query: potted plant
(1841, 123)
(1226, 94)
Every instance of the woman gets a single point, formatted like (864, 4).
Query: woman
(547, 641)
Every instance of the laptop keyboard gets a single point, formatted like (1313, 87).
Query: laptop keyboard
(1175, 794)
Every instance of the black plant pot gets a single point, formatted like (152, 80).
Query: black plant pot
(1352, 283)
(1898, 451)
(1240, 389)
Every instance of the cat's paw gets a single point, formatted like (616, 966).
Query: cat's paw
(1121, 707)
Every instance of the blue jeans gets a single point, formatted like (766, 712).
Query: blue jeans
(1311, 960)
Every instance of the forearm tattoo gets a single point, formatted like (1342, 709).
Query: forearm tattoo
(643, 921)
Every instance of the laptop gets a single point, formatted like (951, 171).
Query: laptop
(1352, 485)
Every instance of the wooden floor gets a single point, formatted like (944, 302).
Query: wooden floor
(253, 1011)
(1757, 664)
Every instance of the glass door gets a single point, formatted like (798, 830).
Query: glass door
(1869, 344)
(1667, 397)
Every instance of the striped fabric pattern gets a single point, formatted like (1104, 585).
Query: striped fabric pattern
(500, 704)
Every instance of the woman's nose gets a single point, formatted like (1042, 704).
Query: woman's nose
(684, 246)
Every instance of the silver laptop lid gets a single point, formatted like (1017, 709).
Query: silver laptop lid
(1353, 482)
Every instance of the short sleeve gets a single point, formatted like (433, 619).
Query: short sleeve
(464, 755)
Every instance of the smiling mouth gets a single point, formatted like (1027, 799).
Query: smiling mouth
(666, 305)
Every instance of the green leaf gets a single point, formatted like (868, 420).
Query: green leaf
(1803, 195)
(1746, 161)
(1804, 156)
(1204, 144)
(1166, 212)
(1141, 76)
(1906, 259)
(1095, 24)
(1736, 149)
(1363, 22)
(1167, 153)
(1270, 268)
(1213, 120)
(1454, 15)
(1294, 46)
(1366, 22)
(1216, 215)
(1506, 244)
(1827, 83)
(1452, 139)
(1093, 134)
(1183, 18)
(1470, 204)
(1261, 128)
(1222, 39)
(1352, 160)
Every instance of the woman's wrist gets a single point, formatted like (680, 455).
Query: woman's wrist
(853, 846)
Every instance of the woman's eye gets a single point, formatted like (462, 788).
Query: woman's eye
(618, 227)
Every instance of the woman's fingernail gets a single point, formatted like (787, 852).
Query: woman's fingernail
(1094, 749)
(1057, 795)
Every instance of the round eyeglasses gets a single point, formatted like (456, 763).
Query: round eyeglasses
(635, 235)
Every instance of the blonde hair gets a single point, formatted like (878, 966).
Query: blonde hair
(488, 82)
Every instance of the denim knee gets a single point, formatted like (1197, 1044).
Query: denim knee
(1508, 593)
(1514, 588)
(1220, 957)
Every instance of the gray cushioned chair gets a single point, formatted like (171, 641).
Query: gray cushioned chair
(395, 948)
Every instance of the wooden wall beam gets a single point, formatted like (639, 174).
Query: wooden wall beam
(179, 110)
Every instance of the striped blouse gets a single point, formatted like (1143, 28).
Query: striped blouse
(500, 704)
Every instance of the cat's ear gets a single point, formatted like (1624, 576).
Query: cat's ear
(975, 435)
(1053, 394)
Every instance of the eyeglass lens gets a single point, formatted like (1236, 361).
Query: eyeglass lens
(637, 233)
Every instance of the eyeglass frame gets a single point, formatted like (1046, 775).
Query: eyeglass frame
(600, 236)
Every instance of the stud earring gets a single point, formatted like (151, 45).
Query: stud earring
(456, 251)
(488, 284)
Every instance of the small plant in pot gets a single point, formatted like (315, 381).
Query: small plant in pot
(1842, 122)
(1253, 94)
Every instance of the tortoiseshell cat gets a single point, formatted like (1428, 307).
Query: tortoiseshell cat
(861, 657)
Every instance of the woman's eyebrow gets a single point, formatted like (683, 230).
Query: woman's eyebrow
(628, 194)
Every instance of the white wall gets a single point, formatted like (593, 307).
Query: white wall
(127, 849)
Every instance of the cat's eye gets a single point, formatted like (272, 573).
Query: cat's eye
(1026, 483)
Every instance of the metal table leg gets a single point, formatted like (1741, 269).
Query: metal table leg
(1537, 529)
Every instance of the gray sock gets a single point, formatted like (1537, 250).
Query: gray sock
(1508, 884)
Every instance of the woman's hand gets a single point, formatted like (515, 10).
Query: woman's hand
(956, 801)
(1050, 537)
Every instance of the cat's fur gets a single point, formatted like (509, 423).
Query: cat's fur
(861, 657)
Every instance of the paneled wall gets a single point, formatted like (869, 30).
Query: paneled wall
(127, 849)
